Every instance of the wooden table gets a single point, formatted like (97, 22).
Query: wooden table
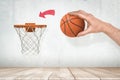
(60, 73)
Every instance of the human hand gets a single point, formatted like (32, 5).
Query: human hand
(94, 25)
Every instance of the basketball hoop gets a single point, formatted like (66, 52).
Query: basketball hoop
(30, 36)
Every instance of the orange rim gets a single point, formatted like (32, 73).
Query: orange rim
(30, 25)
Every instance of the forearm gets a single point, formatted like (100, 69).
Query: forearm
(113, 33)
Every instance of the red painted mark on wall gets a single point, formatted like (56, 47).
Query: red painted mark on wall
(47, 12)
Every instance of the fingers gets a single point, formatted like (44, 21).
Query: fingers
(88, 30)
(86, 16)
(81, 14)
(78, 13)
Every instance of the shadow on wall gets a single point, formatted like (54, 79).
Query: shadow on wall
(88, 40)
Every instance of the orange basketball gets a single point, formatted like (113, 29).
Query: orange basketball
(71, 25)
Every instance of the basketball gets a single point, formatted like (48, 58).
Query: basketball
(71, 25)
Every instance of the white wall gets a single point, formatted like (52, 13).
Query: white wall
(58, 50)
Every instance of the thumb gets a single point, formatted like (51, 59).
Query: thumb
(88, 30)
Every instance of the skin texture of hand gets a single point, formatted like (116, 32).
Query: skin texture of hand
(95, 25)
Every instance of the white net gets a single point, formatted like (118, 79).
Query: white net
(30, 41)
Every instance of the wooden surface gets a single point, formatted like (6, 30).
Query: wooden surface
(59, 73)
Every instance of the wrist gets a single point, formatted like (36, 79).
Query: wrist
(107, 28)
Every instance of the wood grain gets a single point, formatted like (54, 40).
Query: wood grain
(59, 73)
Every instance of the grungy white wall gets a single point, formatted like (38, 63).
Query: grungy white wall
(57, 50)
